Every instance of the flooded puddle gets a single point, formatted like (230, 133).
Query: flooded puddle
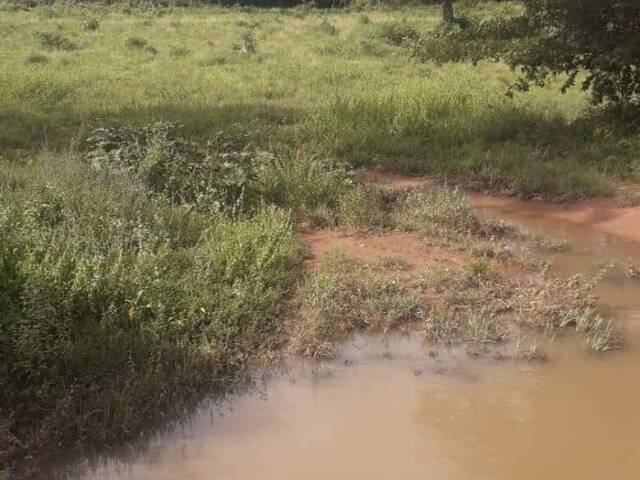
(397, 412)
(589, 248)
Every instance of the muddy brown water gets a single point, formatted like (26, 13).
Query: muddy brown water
(396, 412)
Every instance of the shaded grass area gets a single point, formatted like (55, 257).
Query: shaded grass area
(330, 83)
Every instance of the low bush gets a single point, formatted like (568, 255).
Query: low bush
(398, 33)
(214, 178)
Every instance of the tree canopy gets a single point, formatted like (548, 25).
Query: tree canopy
(598, 37)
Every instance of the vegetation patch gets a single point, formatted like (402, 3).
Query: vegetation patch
(123, 306)
(480, 307)
(346, 296)
(147, 263)
(56, 41)
(398, 33)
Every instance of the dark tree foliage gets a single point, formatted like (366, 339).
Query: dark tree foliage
(598, 37)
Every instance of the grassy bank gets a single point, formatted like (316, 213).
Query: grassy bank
(119, 307)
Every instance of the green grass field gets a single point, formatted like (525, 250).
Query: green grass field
(147, 265)
(326, 82)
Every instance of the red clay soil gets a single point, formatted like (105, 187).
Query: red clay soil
(600, 215)
(372, 247)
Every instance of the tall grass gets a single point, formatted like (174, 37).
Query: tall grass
(119, 307)
(352, 94)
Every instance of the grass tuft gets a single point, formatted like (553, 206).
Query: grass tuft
(56, 41)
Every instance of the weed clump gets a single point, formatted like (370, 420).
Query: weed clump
(180, 51)
(345, 296)
(56, 41)
(632, 270)
(398, 33)
(36, 59)
(364, 19)
(480, 307)
(90, 25)
(327, 27)
(312, 187)
(365, 208)
(139, 43)
(442, 213)
(247, 44)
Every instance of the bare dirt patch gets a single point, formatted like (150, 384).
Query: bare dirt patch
(371, 247)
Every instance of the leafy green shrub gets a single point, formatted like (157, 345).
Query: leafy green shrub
(398, 33)
(213, 178)
(593, 42)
